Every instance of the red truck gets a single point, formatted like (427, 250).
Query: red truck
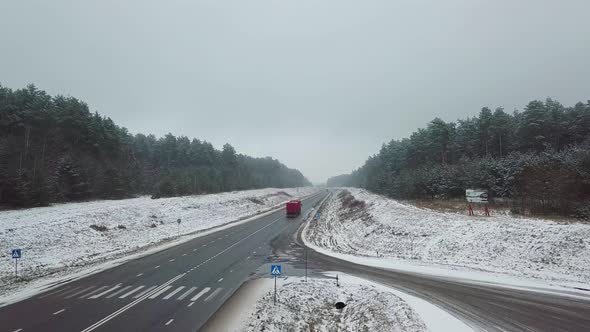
(293, 208)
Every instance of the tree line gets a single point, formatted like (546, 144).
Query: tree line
(53, 149)
(537, 159)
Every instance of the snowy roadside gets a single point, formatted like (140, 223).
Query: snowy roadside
(372, 230)
(61, 240)
(310, 306)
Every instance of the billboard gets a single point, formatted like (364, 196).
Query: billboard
(476, 195)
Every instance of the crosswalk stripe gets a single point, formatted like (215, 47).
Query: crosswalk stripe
(131, 292)
(144, 292)
(70, 291)
(118, 292)
(173, 292)
(203, 291)
(94, 291)
(62, 289)
(161, 291)
(79, 292)
(185, 294)
(212, 295)
(105, 292)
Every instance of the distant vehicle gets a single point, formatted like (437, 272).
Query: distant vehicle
(293, 208)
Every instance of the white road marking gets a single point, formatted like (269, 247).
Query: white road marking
(195, 249)
(118, 292)
(248, 257)
(60, 290)
(157, 267)
(212, 295)
(172, 260)
(219, 238)
(173, 292)
(131, 292)
(201, 293)
(185, 294)
(140, 299)
(190, 304)
(130, 305)
(59, 312)
(220, 280)
(170, 321)
(230, 271)
(145, 291)
(18, 330)
(79, 292)
(94, 291)
(183, 254)
(158, 293)
(139, 275)
(96, 296)
(69, 291)
(204, 245)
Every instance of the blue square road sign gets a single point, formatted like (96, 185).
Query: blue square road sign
(16, 253)
(275, 270)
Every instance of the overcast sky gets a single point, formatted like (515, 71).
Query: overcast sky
(318, 84)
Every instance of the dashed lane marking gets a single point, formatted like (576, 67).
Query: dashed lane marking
(157, 267)
(172, 260)
(190, 304)
(59, 312)
(220, 280)
(170, 321)
(139, 275)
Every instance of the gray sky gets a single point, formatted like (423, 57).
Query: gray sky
(319, 85)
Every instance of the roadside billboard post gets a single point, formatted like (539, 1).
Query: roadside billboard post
(478, 196)
(275, 270)
(16, 255)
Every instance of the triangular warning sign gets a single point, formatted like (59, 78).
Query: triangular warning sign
(276, 270)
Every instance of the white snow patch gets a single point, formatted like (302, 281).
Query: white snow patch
(57, 238)
(499, 249)
(309, 306)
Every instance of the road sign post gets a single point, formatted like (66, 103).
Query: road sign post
(275, 271)
(178, 221)
(16, 255)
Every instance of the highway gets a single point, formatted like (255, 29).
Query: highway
(181, 288)
(176, 289)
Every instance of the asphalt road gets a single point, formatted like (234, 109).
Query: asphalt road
(177, 289)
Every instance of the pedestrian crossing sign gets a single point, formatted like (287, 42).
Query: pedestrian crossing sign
(275, 270)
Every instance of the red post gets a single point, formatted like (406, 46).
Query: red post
(486, 210)
(470, 210)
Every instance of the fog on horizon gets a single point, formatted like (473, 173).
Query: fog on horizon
(318, 85)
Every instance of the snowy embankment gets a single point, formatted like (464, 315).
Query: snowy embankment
(310, 306)
(401, 235)
(63, 236)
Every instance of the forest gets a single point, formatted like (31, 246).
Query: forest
(536, 160)
(54, 149)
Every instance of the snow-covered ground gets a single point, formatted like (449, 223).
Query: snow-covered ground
(401, 235)
(64, 236)
(309, 306)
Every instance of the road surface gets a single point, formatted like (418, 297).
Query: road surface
(177, 289)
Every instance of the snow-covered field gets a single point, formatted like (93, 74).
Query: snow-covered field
(309, 306)
(394, 231)
(70, 235)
